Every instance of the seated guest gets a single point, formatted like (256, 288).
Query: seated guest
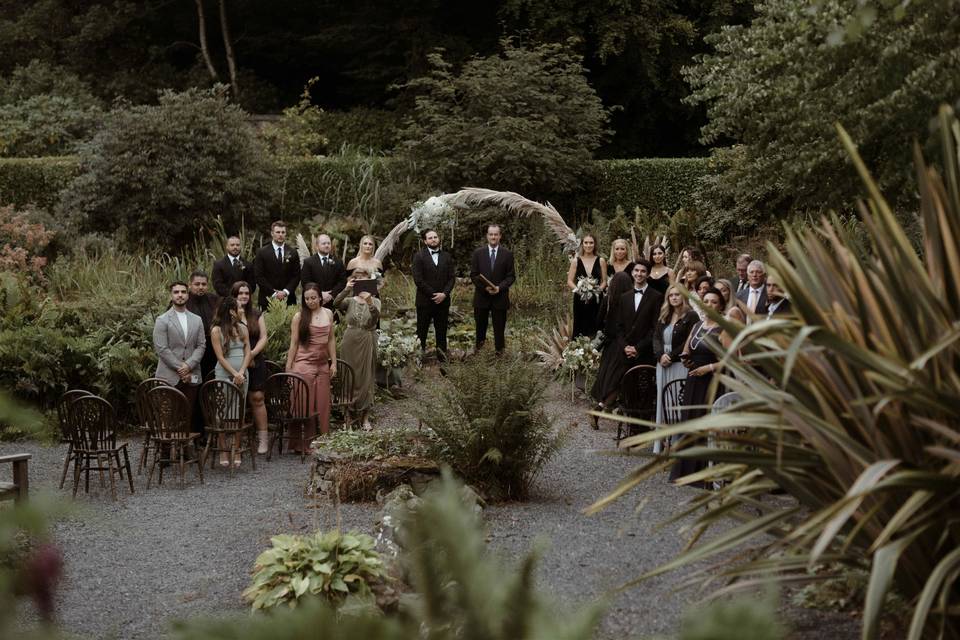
(179, 342)
(358, 347)
(313, 355)
(256, 326)
(326, 270)
(606, 386)
(230, 268)
(701, 361)
(231, 344)
(669, 339)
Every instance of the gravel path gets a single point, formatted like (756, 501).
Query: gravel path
(135, 565)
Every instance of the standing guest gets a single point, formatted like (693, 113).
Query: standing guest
(203, 304)
(358, 347)
(434, 275)
(606, 386)
(669, 339)
(689, 256)
(754, 296)
(660, 274)
(743, 260)
(367, 261)
(731, 311)
(179, 342)
(491, 270)
(777, 302)
(702, 284)
(313, 355)
(701, 362)
(586, 314)
(256, 326)
(619, 258)
(230, 268)
(277, 268)
(691, 274)
(231, 344)
(326, 270)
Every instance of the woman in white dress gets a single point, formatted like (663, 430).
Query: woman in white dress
(669, 338)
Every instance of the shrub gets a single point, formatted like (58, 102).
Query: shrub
(851, 406)
(156, 173)
(278, 318)
(490, 424)
(37, 181)
(22, 244)
(299, 131)
(334, 566)
(525, 120)
(361, 127)
(654, 184)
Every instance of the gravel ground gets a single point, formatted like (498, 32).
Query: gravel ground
(135, 565)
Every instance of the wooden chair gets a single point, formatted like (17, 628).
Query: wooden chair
(143, 417)
(63, 418)
(273, 367)
(224, 414)
(638, 398)
(341, 392)
(721, 404)
(173, 441)
(20, 487)
(288, 410)
(671, 403)
(93, 432)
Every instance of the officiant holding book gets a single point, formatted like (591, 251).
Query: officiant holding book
(491, 270)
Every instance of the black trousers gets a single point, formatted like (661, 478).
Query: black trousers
(192, 391)
(482, 316)
(439, 315)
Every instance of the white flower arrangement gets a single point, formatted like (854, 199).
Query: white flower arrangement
(432, 214)
(588, 289)
(394, 349)
(580, 356)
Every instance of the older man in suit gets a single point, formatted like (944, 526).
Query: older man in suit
(231, 268)
(179, 342)
(434, 277)
(754, 295)
(326, 270)
(277, 268)
(492, 273)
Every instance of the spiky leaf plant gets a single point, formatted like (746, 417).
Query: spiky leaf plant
(853, 407)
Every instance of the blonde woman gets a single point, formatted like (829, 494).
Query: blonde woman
(586, 313)
(731, 311)
(366, 260)
(619, 258)
(669, 338)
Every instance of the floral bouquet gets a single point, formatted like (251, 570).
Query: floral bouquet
(580, 356)
(394, 349)
(588, 289)
(432, 214)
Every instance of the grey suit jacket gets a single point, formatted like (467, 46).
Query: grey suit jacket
(173, 348)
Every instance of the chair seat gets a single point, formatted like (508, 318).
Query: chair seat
(177, 437)
(94, 452)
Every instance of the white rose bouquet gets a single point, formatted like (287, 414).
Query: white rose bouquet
(580, 356)
(394, 349)
(588, 289)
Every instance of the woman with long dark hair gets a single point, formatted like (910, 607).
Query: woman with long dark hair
(313, 355)
(660, 274)
(231, 346)
(607, 385)
(253, 320)
(587, 264)
(360, 314)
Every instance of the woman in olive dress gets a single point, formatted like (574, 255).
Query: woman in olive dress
(358, 347)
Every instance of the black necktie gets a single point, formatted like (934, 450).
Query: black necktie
(323, 261)
(280, 254)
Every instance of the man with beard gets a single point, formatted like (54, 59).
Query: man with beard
(231, 268)
(434, 276)
(326, 270)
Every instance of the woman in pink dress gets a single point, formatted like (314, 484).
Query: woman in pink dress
(313, 355)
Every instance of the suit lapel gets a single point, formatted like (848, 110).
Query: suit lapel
(172, 319)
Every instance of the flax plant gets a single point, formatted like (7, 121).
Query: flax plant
(852, 406)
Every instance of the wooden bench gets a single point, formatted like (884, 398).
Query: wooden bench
(20, 486)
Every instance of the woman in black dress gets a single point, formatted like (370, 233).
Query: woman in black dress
(702, 364)
(660, 274)
(607, 384)
(587, 265)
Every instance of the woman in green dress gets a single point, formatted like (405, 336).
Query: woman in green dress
(358, 347)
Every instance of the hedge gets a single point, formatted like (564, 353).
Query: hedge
(340, 183)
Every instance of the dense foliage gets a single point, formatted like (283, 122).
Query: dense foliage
(776, 87)
(524, 120)
(154, 174)
(851, 406)
(490, 423)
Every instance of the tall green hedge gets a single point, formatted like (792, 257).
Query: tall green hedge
(340, 184)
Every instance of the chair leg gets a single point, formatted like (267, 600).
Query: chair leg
(126, 463)
(200, 471)
(113, 484)
(66, 463)
(182, 466)
(303, 442)
(76, 476)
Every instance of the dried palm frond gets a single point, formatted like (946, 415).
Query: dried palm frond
(515, 203)
(302, 249)
(552, 346)
(386, 247)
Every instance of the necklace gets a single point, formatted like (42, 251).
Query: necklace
(699, 336)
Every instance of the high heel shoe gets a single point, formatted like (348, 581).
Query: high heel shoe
(595, 420)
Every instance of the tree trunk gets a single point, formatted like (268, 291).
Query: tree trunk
(228, 48)
(204, 47)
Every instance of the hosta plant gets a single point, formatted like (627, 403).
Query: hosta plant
(334, 566)
(852, 406)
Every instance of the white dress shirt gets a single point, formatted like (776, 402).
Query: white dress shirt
(182, 318)
(638, 297)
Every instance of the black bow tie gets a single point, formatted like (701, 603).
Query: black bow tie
(434, 251)
(639, 290)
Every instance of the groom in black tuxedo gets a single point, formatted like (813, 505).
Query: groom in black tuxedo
(491, 270)
(232, 268)
(434, 276)
(636, 318)
(277, 267)
(326, 270)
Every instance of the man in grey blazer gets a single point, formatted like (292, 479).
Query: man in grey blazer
(179, 342)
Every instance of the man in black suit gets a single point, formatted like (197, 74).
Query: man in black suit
(754, 295)
(277, 267)
(434, 276)
(637, 313)
(777, 302)
(203, 304)
(491, 270)
(743, 261)
(326, 270)
(231, 268)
